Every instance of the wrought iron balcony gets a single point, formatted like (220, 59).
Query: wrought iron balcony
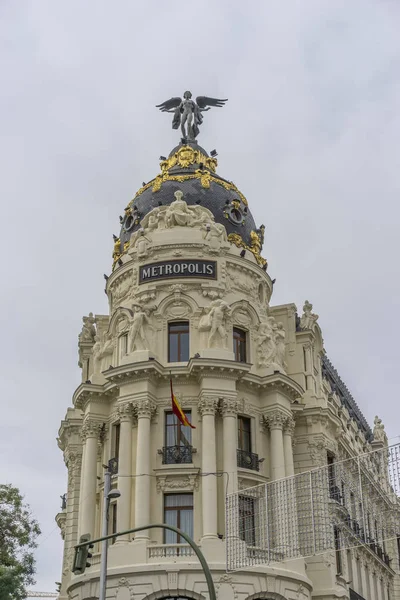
(176, 455)
(248, 460)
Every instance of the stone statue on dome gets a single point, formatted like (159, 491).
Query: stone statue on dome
(308, 318)
(88, 332)
(187, 112)
(379, 431)
(178, 212)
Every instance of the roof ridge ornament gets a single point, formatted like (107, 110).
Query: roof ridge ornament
(187, 113)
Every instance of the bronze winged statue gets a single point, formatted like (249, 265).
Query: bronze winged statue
(188, 112)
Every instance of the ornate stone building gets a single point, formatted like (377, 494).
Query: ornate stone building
(189, 295)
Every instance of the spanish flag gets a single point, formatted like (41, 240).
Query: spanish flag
(178, 412)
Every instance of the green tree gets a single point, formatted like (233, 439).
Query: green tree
(18, 533)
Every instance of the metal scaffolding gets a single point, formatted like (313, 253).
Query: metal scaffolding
(341, 505)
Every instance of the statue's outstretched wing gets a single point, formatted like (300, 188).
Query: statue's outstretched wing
(169, 104)
(204, 101)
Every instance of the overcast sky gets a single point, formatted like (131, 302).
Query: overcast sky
(310, 135)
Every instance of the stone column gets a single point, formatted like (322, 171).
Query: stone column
(207, 408)
(90, 435)
(229, 410)
(124, 471)
(275, 420)
(144, 410)
(281, 518)
(288, 431)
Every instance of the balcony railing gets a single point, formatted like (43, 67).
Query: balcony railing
(248, 460)
(176, 455)
(170, 550)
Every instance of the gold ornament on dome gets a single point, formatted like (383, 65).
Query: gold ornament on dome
(116, 255)
(187, 156)
(207, 177)
(254, 247)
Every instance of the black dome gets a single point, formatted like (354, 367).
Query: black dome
(190, 169)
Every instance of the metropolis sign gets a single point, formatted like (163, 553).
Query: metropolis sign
(206, 269)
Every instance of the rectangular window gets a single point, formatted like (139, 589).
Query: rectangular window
(178, 440)
(112, 520)
(338, 552)
(349, 566)
(334, 491)
(178, 511)
(239, 344)
(178, 342)
(124, 344)
(246, 520)
(359, 578)
(244, 434)
(115, 441)
(398, 548)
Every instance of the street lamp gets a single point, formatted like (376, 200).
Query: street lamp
(108, 495)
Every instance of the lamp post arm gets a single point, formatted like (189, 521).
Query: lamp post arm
(199, 554)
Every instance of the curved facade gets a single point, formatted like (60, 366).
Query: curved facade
(189, 301)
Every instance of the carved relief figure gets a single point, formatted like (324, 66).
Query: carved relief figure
(271, 344)
(308, 318)
(88, 332)
(102, 353)
(280, 336)
(266, 344)
(215, 234)
(137, 333)
(96, 355)
(214, 321)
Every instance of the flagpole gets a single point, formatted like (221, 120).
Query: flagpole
(175, 418)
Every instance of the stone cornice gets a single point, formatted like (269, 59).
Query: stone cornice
(276, 382)
(218, 368)
(139, 371)
(68, 431)
(88, 392)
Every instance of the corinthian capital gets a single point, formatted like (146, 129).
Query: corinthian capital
(228, 407)
(91, 428)
(275, 419)
(289, 426)
(144, 408)
(125, 412)
(207, 406)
